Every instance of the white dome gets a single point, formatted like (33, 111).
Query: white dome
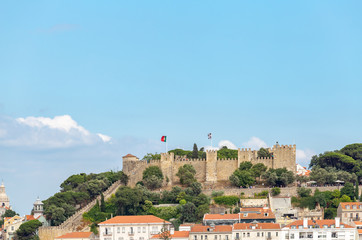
(38, 202)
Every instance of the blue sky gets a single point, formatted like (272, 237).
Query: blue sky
(252, 73)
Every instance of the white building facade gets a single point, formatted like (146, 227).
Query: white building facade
(132, 227)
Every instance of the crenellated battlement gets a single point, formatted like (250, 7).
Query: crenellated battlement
(227, 159)
(211, 169)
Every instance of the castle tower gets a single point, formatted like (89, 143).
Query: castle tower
(284, 156)
(211, 169)
(129, 163)
(167, 160)
(38, 208)
(4, 199)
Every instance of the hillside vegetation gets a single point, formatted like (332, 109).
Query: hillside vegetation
(77, 191)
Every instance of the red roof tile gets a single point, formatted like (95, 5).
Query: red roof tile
(221, 216)
(217, 228)
(177, 234)
(76, 235)
(240, 226)
(134, 219)
(350, 204)
(129, 155)
(320, 223)
(29, 217)
(245, 213)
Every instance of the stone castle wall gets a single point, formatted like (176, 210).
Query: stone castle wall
(211, 169)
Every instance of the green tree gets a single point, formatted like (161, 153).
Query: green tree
(348, 190)
(330, 213)
(149, 156)
(186, 174)
(152, 182)
(304, 192)
(353, 150)
(225, 153)
(195, 151)
(152, 171)
(242, 178)
(103, 204)
(188, 212)
(356, 191)
(9, 213)
(275, 191)
(258, 169)
(264, 153)
(333, 159)
(27, 230)
(278, 177)
(245, 166)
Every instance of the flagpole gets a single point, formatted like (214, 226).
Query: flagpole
(166, 145)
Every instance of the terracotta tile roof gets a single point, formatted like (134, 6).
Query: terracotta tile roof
(76, 235)
(217, 228)
(350, 204)
(29, 217)
(221, 216)
(245, 213)
(134, 219)
(327, 222)
(359, 231)
(357, 222)
(129, 155)
(241, 226)
(177, 234)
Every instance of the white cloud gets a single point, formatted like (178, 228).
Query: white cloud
(303, 157)
(227, 143)
(45, 132)
(255, 143)
(64, 123)
(104, 138)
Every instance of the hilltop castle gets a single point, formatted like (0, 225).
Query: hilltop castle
(211, 169)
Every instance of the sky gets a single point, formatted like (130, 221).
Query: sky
(83, 83)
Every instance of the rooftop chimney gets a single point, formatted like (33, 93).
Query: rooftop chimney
(305, 222)
(338, 222)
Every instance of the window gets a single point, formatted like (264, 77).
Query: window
(243, 235)
(292, 236)
(334, 235)
(265, 214)
(141, 238)
(205, 237)
(227, 237)
(118, 229)
(276, 234)
(215, 237)
(154, 230)
(342, 226)
(195, 237)
(262, 234)
(348, 207)
(248, 234)
(138, 229)
(123, 229)
(300, 226)
(131, 230)
(202, 237)
(143, 229)
(258, 234)
(237, 236)
(354, 206)
(351, 215)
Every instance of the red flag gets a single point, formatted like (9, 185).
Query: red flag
(163, 139)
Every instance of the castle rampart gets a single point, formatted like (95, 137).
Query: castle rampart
(211, 169)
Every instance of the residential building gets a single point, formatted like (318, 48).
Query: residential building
(132, 227)
(256, 231)
(77, 236)
(11, 224)
(319, 229)
(213, 232)
(246, 215)
(349, 211)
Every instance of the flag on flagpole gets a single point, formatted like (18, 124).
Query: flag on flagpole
(163, 139)
(209, 136)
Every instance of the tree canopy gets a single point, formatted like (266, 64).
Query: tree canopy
(186, 174)
(27, 230)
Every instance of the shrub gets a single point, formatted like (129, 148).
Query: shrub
(227, 200)
(275, 191)
(217, 193)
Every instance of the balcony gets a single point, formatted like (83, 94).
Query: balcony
(131, 234)
(107, 234)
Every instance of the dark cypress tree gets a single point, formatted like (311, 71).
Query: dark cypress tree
(356, 191)
(195, 152)
(103, 204)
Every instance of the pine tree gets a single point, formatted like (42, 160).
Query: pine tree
(195, 152)
(103, 205)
